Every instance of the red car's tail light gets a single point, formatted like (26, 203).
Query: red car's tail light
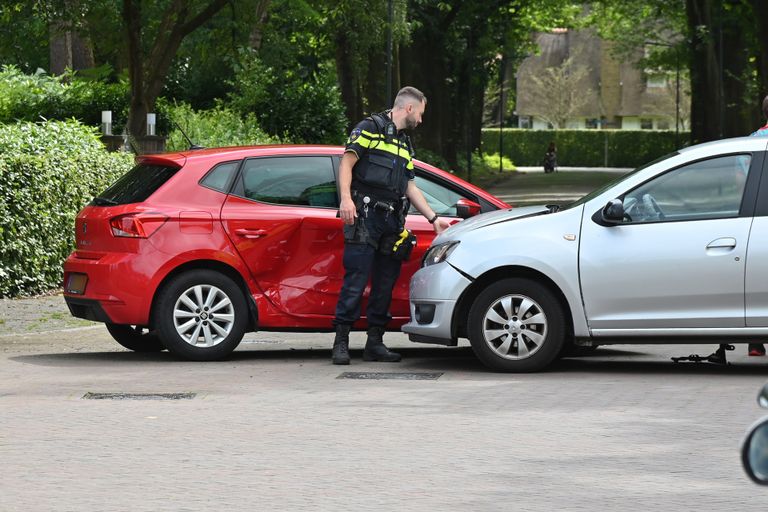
(137, 225)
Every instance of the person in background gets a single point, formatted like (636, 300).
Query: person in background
(550, 158)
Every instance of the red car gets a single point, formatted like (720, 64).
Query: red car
(188, 251)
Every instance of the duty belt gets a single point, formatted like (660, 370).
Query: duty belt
(378, 204)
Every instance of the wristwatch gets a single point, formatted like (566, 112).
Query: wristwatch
(433, 219)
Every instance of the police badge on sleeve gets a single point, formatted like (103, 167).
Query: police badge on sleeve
(354, 135)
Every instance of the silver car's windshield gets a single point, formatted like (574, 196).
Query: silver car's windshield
(621, 178)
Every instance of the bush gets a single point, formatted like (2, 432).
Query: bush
(297, 105)
(48, 172)
(588, 148)
(40, 96)
(217, 127)
(485, 168)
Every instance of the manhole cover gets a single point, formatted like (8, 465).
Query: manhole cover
(139, 396)
(393, 375)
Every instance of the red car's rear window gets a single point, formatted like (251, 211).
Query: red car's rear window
(136, 185)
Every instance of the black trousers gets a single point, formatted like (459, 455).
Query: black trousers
(363, 261)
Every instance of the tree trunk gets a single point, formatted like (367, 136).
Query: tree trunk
(70, 47)
(147, 75)
(350, 95)
(424, 66)
(706, 100)
(376, 83)
(739, 119)
(257, 32)
(760, 13)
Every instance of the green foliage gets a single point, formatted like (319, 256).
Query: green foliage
(294, 103)
(23, 35)
(48, 172)
(216, 127)
(485, 167)
(589, 148)
(26, 97)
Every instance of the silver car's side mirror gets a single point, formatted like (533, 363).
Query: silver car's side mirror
(612, 213)
(754, 452)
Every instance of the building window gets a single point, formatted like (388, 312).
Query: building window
(592, 124)
(663, 124)
(646, 124)
(656, 81)
(524, 122)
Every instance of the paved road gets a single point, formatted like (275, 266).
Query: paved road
(529, 185)
(275, 428)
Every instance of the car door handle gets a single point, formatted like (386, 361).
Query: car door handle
(250, 233)
(722, 243)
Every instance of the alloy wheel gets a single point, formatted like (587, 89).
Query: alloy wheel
(514, 327)
(203, 315)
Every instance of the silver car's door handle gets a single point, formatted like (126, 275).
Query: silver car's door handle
(722, 243)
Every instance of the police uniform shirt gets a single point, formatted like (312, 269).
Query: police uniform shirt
(370, 146)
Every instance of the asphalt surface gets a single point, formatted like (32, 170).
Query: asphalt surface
(84, 426)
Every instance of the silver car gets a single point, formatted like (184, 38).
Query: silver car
(674, 252)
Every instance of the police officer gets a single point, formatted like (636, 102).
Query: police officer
(376, 184)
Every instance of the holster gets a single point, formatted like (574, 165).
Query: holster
(398, 246)
(356, 233)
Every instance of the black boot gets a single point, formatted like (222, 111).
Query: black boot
(375, 350)
(340, 352)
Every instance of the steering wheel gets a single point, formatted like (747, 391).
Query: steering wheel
(650, 202)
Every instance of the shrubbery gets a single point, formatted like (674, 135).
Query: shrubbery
(212, 128)
(296, 105)
(48, 172)
(41, 96)
(593, 148)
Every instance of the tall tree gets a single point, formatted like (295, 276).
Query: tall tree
(149, 62)
(722, 44)
(559, 94)
(452, 56)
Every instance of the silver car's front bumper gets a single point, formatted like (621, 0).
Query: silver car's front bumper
(431, 317)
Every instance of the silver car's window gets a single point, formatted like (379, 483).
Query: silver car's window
(615, 182)
(707, 189)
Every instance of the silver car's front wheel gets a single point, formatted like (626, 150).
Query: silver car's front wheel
(516, 325)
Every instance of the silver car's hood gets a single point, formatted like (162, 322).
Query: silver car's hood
(486, 219)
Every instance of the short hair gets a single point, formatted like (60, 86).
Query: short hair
(408, 94)
(765, 107)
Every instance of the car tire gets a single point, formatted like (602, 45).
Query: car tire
(201, 315)
(506, 342)
(135, 338)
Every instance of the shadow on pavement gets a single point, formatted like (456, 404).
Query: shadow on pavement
(602, 361)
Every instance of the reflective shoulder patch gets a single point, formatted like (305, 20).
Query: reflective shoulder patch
(355, 134)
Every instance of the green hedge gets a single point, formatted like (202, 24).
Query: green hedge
(583, 148)
(41, 96)
(48, 172)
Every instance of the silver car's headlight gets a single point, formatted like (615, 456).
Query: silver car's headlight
(439, 253)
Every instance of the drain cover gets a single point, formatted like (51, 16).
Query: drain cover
(393, 375)
(139, 396)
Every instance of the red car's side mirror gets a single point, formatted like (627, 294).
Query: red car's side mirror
(466, 208)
